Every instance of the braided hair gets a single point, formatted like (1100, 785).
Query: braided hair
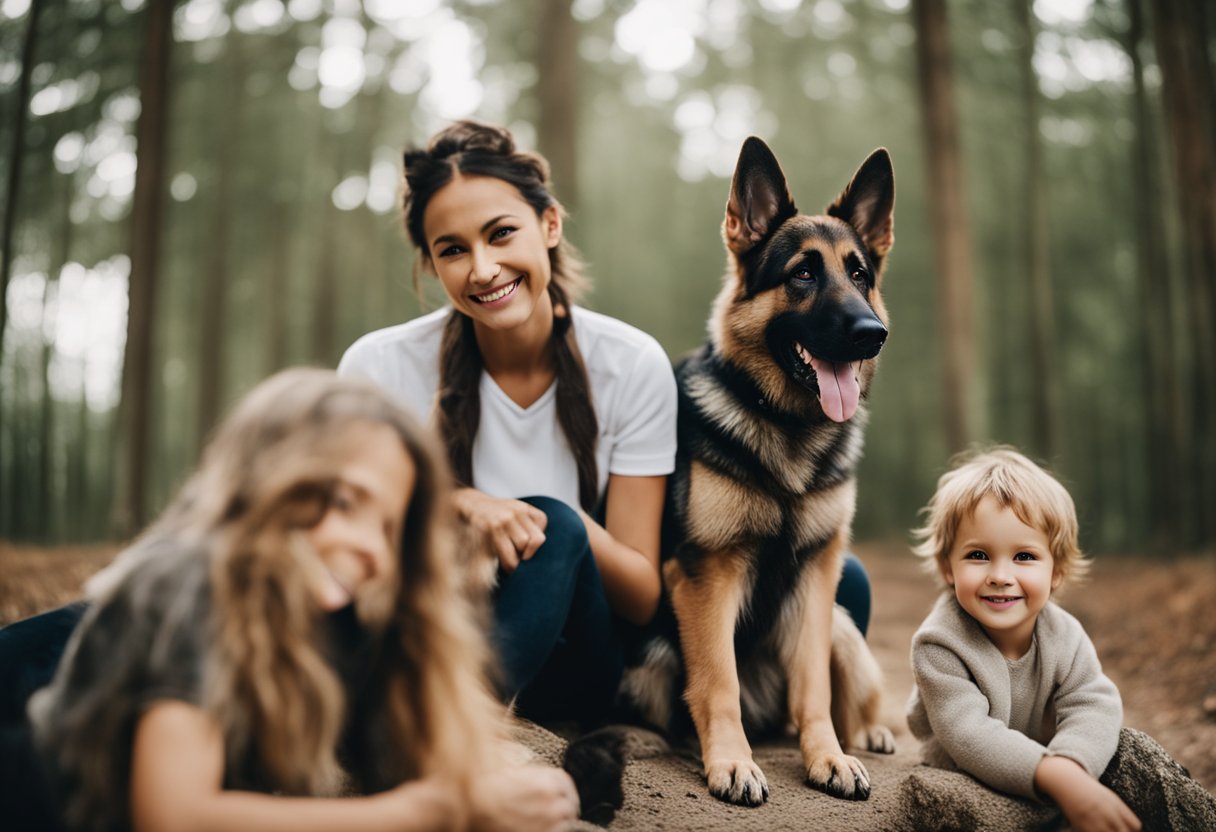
(469, 148)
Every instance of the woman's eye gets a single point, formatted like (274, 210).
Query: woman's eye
(450, 251)
(501, 233)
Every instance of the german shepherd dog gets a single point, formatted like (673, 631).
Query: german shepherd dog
(761, 501)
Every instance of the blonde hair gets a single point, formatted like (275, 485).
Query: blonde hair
(1014, 481)
(425, 707)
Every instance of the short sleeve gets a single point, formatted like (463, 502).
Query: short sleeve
(644, 436)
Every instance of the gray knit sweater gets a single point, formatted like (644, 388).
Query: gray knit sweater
(995, 718)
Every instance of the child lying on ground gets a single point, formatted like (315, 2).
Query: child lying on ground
(1008, 687)
(291, 629)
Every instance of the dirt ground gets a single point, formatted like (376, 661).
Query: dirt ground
(1153, 622)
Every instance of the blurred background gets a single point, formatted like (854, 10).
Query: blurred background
(197, 193)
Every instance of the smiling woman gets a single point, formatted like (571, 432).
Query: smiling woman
(559, 422)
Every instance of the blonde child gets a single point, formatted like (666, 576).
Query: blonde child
(290, 631)
(1008, 686)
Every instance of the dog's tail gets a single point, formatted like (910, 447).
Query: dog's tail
(596, 761)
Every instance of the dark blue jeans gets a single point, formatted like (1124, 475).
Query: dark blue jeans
(560, 647)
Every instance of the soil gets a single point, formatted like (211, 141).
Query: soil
(1153, 622)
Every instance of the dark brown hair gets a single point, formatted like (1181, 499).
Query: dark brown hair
(468, 148)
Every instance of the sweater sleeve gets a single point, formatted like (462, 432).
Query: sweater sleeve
(1089, 712)
(958, 714)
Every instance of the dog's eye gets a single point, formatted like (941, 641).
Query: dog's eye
(804, 274)
(858, 276)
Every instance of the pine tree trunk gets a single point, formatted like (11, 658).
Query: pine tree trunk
(949, 219)
(557, 91)
(1182, 56)
(146, 213)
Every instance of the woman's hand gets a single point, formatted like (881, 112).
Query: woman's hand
(523, 799)
(513, 529)
(1087, 804)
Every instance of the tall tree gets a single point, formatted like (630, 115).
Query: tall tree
(1182, 53)
(213, 334)
(557, 91)
(147, 210)
(15, 159)
(949, 218)
(1043, 388)
(1161, 394)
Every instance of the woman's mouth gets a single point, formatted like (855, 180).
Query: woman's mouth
(498, 294)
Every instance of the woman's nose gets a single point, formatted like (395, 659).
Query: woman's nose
(484, 269)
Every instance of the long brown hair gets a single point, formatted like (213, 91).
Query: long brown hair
(472, 149)
(263, 480)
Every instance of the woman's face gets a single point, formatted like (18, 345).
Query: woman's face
(490, 250)
(359, 536)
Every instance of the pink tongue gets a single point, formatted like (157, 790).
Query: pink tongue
(838, 389)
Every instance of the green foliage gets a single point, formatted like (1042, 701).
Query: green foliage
(258, 161)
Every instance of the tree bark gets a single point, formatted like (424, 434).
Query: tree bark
(949, 219)
(1190, 116)
(214, 302)
(1161, 397)
(557, 91)
(146, 213)
(1044, 390)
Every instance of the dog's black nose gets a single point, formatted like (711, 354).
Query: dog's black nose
(868, 335)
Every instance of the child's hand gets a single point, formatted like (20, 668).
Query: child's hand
(524, 799)
(1087, 804)
(513, 529)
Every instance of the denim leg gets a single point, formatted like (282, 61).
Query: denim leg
(30, 651)
(553, 628)
(853, 593)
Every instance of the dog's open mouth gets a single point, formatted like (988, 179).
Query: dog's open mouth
(837, 382)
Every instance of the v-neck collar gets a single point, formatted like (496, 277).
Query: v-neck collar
(536, 406)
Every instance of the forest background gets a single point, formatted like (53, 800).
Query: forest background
(198, 193)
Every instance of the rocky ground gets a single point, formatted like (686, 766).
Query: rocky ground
(1153, 621)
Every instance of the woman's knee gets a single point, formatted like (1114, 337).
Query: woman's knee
(565, 533)
(853, 592)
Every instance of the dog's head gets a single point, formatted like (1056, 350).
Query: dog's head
(801, 309)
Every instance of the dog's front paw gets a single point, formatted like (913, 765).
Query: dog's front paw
(840, 776)
(879, 739)
(737, 781)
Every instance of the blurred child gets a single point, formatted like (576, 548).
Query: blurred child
(291, 629)
(1008, 687)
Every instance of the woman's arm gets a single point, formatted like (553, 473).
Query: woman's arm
(626, 547)
(177, 770)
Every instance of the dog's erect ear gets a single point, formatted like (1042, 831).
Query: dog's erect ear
(759, 199)
(867, 203)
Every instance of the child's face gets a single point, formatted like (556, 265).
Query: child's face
(359, 535)
(1003, 573)
(490, 250)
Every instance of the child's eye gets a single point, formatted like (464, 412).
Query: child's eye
(501, 233)
(975, 555)
(1025, 556)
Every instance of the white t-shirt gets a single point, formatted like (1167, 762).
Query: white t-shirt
(522, 452)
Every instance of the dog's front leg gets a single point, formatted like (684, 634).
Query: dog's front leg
(808, 663)
(707, 606)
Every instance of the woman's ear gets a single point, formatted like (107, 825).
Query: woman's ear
(551, 226)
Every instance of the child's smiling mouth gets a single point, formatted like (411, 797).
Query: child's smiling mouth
(1000, 602)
